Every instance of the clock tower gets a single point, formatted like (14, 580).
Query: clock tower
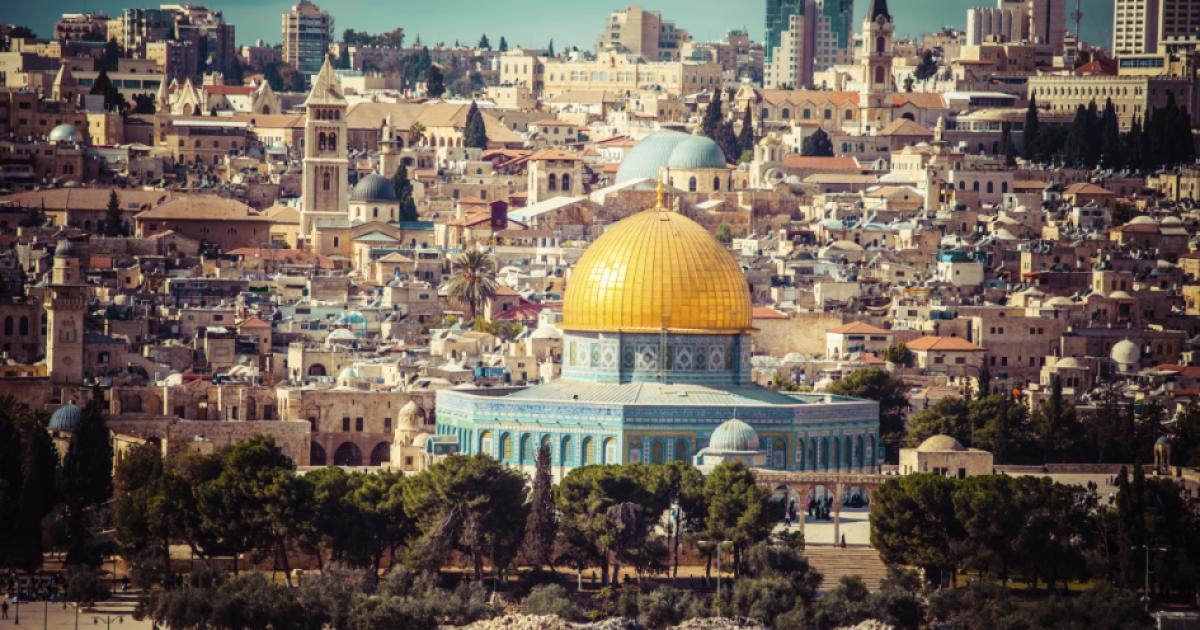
(875, 58)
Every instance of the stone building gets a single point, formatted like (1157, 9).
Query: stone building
(944, 455)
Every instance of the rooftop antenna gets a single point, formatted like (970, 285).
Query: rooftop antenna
(1077, 15)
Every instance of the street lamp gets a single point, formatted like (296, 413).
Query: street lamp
(1146, 588)
(717, 546)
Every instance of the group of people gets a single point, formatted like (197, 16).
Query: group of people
(821, 509)
(31, 589)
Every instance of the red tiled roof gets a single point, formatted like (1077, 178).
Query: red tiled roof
(766, 312)
(858, 328)
(943, 344)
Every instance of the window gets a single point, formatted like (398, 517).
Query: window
(387, 424)
(552, 182)
(691, 184)
(358, 424)
(566, 182)
(345, 424)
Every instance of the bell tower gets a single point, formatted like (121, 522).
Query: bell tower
(875, 59)
(65, 304)
(325, 181)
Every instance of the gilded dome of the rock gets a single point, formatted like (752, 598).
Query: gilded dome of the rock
(653, 270)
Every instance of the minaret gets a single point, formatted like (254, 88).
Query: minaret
(326, 188)
(875, 57)
(65, 87)
(65, 304)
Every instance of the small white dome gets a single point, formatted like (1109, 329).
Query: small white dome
(734, 436)
(1068, 362)
(1125, 352)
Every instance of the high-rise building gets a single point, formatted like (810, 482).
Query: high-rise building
(1048, 22)
(135, 28)
(307, 33)
(640, 32)
(792, 60)
(817, 35)
(1140, 27)
(76, 26)
(208, 31)
(1133, 27)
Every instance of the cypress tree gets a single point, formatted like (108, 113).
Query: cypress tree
(503, 45)
(38, 467)
(1133, 146)
(1183, 134)
(404, 194)
(435, 84)
(1006, 147)
(550, 49)
(541, 526)
(728, 141)
(113, 219)
(1110, 138)
(1093, 142)
(1150, 140)
(86, 478)
(475, 133)
(1076, 143)
(746, 133)
(1029, 136)
(484, 44)
(711, 124)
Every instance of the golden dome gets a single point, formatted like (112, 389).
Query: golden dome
(657, 269)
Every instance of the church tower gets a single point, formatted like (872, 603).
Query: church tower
(875, 57)
(326, 190)
(65, 304)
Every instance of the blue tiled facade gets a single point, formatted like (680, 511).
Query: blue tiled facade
(671, 420)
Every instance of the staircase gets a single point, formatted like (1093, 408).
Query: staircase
(834, 562)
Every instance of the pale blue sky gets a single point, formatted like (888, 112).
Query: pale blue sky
(528, 22)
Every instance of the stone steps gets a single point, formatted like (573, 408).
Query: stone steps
(834, 562)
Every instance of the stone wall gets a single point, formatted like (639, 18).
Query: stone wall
(804, 332)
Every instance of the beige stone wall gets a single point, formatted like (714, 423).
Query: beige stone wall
(803, 333)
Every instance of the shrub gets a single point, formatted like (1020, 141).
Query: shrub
(667, 606)
(551, 599)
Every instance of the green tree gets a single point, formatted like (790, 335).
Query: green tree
(473, 505)
(1077, 139)
(475, 132)
(86, 478)
(1111, 149)
(728, 141)
(885, 389)
(551, 599)
(738, 508)
(114, 219)
(113, 100)
(141, 514)
(725, 233)
(541, 528)
(913, 523)
(503, 45)
(109, 58)
(472, 280)
(746, 132)
(1057, 425)
(550, 49)
(710, 125)
(484, 44)
(1029, 135)
(585, 496)
(404, 193)
(435, 84)
(948, 416)
(899, 354)
(1093, 146)
(1133, 146)
(817, 144)
(927, 68)
(683, 487)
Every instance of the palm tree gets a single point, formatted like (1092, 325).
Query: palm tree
(472, 279)
(416, 133)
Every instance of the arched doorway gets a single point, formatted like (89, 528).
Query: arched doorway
(381, 454)
(316, 455)
(683, 452)
(316, 369)
(348, 454)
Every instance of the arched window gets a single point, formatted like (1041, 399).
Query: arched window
(691, 184)
(325, 180)
(787, 114)
(975, 186)
(552, 182)
(506, 448)
(566, 183)
(1004, 187)
(24, 329)
(879, 74)
(589, 451)
(879, 44)
(989, 188)
(682, 452)
(566, 454)
(716, 184)
(807, 114)
(321, 141)
(526, 454)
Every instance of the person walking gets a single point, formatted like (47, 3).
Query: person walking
(4, 610)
